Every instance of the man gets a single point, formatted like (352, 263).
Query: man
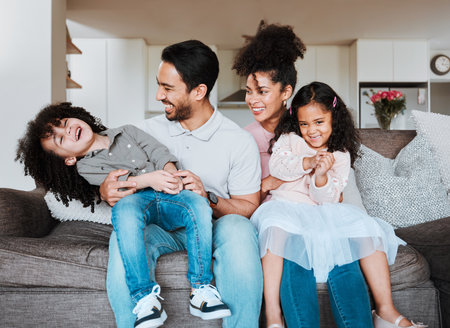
(220, 162)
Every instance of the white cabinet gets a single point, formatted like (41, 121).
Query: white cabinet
(114, 78)
(410, 61)
(328, 64)
(374, 60)
(392, 60)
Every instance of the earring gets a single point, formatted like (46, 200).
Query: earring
(284, 103)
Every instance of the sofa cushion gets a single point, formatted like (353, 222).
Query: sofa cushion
(405, 191)
(74, 254)
(435, 128)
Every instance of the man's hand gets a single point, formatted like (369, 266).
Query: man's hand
(109, 189)
(191, 182)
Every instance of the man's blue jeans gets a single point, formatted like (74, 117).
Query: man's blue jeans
(237, 269)
(347, 290)
(170, 212)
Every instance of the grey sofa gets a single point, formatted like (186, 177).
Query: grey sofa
(52, 274)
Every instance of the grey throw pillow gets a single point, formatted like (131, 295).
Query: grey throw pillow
(405, 191)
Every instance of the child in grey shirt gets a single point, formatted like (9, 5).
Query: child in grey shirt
(68, 151)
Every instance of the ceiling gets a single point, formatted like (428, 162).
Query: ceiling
(223, 22)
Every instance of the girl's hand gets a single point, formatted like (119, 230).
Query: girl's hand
(325, 162)
(310, 163)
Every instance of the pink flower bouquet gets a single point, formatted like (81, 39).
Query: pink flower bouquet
(387, 105)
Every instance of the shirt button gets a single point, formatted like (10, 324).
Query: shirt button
(132, 161)
(110, 154)
(129, 146)
(187, 147)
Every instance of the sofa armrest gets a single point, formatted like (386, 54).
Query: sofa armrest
(432, 240)
(24, 213)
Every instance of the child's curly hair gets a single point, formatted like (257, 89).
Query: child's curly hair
(48, 169)
(274, 50)
(344, 136)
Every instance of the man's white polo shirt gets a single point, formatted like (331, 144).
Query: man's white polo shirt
(224, 156)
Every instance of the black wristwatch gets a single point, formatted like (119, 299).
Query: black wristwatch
(212, 198)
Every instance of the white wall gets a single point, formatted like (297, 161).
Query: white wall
(30, 74)
(113, 76)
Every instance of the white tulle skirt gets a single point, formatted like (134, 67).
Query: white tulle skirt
(319, 237)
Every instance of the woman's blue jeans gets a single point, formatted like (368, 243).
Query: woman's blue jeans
(170, 212)
(237, 269)
(347, 290)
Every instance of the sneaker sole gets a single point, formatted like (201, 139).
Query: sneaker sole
(210, 315)
(154, 323)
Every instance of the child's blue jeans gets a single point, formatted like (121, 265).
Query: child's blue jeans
(186, 210)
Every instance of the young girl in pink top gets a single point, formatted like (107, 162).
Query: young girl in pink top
(314, 146)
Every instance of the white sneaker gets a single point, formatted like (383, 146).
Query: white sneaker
(149, 311)
(206, 303)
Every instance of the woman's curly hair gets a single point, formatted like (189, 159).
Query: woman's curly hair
(48, 169)
(344, 136)
(274, 50)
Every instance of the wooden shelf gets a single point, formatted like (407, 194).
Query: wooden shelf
(71, 84)
(71, 49)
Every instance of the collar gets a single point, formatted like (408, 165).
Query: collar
(111, 134)
(204, 132)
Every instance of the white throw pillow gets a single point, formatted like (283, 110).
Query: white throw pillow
(76, 212)
(405, 191)
(351, 194)
(435, 128)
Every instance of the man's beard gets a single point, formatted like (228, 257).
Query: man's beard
(181, 113)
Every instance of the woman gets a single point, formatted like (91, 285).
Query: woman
(267, 61)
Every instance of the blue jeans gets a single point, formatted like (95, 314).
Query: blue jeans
(170, 212)
(237, 269)
(347, 290)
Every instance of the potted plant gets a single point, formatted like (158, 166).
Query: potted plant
(387, 105)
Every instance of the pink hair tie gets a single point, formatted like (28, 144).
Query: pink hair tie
(334, 102)
(290, 110)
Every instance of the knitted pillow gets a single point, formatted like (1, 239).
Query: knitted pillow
(76, 211)
(435, 128)
(405, 191)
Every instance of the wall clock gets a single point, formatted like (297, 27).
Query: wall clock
(440, 64)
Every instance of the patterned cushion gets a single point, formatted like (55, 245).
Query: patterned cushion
(76, 211)
(435, 128)
(405, 191)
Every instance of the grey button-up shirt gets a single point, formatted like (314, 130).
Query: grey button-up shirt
(129, 148)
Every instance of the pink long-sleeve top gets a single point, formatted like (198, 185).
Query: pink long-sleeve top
(286, 163)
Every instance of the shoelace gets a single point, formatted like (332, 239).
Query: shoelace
(209, 292)
(143, 302)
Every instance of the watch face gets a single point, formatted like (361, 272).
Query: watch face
(212, 197)
(440, 64)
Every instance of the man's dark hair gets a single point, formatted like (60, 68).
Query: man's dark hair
(46, 168)
(195, 62)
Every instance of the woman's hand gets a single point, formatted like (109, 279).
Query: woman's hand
(270, 183)
(267, 184)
